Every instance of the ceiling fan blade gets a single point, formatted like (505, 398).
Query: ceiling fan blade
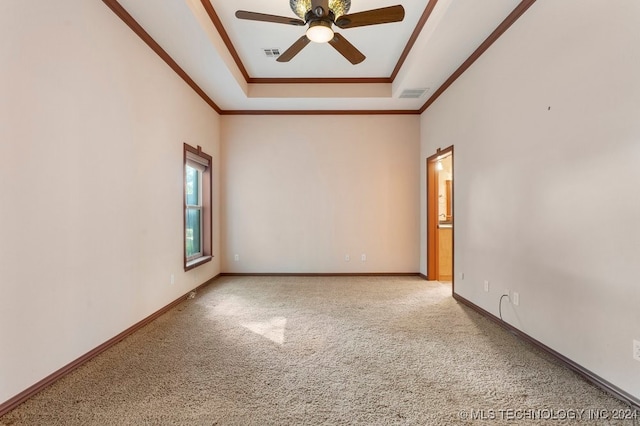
(322, 3)
(384, 15)
(254, 16)
(294, 49)
(346, 49)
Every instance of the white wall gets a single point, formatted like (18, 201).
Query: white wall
(301, 192)
(536, 210)
(92, 124)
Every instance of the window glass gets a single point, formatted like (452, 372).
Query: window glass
(193, 233)
(192, 186)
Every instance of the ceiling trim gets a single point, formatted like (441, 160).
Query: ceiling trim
(522, 7)
(208, 7)
(495, 35)
(323, 112)
(217, 23)
(319, 80)
(137, 28)
(414, 36)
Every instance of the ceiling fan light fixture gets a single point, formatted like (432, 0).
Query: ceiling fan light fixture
(320, 32)
(301, 7)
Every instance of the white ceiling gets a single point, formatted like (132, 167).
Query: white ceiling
(185, 31)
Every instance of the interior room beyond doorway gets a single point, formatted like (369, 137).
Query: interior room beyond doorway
(444, 175)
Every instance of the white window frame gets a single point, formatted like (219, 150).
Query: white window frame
(198, 207)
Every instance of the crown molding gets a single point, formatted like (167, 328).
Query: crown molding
(495, 35)
(137, 28)
(522, 7)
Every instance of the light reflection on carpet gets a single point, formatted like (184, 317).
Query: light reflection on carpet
(272, 329)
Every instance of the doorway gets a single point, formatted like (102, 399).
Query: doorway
(440, 216)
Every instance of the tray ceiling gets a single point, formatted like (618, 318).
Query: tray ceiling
(225, 57)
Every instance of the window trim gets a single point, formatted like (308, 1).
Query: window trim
(196, 155)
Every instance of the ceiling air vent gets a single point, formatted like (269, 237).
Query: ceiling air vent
(272, 53)
(413, 93)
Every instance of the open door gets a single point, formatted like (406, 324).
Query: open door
(440, 216)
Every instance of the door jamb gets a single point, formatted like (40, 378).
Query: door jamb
(432, 215)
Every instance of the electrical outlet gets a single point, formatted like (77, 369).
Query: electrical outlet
(516, 298)
(363, 257)
(236, 257)
(347, 258)
(636, 350)
(486, 285)
(173, 279)
(462, 275)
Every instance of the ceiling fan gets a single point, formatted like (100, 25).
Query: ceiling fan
(320, 15)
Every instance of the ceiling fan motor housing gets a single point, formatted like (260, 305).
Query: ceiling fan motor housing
(302, 8)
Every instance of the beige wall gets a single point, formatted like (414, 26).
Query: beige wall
(540, 123)
(301, 192)
(91, 130)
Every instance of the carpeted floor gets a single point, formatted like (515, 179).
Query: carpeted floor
(319, 350)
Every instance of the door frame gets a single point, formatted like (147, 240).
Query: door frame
(432, 215)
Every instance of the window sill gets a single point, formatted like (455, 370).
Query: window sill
(197, 262)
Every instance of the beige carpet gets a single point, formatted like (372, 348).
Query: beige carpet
(312, 351)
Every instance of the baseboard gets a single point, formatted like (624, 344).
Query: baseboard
(320, 274)
(423, 276)
(12, 403)
(589, 376)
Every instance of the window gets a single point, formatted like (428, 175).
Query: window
(197, 207)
